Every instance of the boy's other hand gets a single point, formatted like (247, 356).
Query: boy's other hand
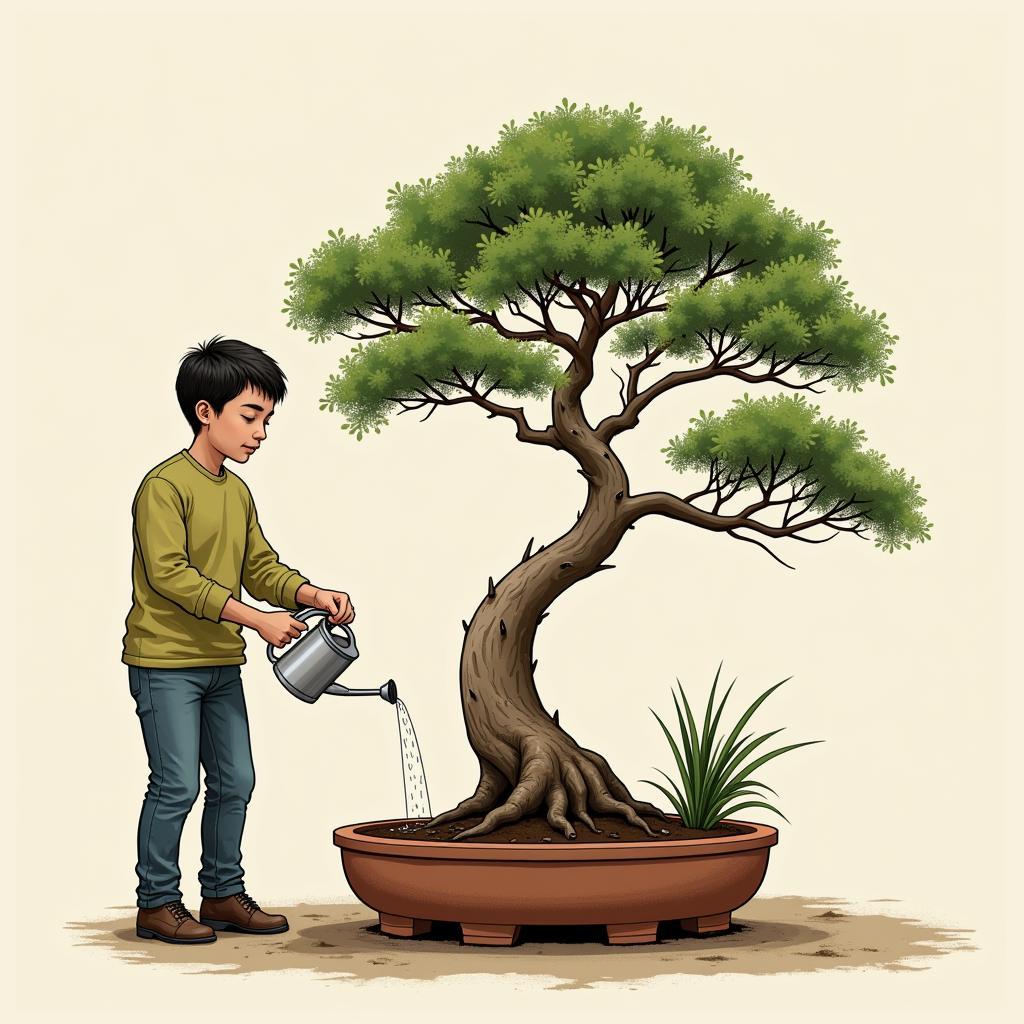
(279, 628)
(336, 603)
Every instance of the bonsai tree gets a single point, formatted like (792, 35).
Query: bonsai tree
(586, 235)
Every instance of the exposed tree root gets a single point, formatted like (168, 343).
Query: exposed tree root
(555, 774)
(491, 786)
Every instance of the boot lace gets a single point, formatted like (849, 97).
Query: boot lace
(177, 908)
(248, 903)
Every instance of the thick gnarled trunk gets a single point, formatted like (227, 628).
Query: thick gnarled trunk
(528, 763)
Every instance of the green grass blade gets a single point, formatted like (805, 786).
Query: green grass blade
(679, 808)
(749, 782)
(688, 731)
(750, 711)
(715, 811)
(695, 766)
(751, 803)
(680, 762)
(681, 765)
(728, 771)
(710, 725)
(672, 783)
(723, 757)
(704, 744)
(731, 792)
(721, 708)
(728, 763)
(684, 736)
(767, 757)
(714, 759)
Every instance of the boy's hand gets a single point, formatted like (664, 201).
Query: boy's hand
(279, 628)
(336, 603)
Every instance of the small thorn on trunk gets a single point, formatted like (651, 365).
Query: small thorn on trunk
(526, 553)
(631, 527)
(577, 515)
(600, 567)
(583, 472)
(501, 626)
(542, 617)
(533, 666)
(618, 496)
(465, 625)
(490, 587)
(472, 694)
(565, 565)
(540, 549)
(554, 717)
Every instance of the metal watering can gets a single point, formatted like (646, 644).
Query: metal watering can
(313, 661)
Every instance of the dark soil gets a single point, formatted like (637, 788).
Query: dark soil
(537, 830)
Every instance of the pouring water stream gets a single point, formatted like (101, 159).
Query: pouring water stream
(414, 779)
(308, 670)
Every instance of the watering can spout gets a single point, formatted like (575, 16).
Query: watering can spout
(388, 692)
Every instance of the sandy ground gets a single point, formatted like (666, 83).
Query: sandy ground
(342, 943)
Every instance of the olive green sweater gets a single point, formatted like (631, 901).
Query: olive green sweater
(197, 542)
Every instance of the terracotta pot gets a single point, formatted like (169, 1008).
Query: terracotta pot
(491, 890)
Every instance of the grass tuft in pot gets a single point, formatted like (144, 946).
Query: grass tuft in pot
(711, 767)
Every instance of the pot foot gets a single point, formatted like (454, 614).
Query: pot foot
(627, 934)
(489, 934)
(404, 927)
(707, 925)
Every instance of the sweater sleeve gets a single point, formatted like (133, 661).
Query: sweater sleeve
(160, 535)
(263, 575)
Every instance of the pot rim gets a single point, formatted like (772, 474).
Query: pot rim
(347, 839)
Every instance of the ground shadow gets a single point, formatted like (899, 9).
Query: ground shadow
(343, 943)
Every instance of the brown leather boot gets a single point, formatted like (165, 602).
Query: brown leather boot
(171, 923)
(240, 913)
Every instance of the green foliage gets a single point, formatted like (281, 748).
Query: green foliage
(345, 273)
(635, 337)
(374, 375)
(583, 192)
(710, 767)
(543, 242)
(790, 310)
(748, 218)
(788, 431)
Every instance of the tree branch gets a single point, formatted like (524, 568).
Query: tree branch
(548, 333)
(671, 506)
(435, 398)
(628, 418)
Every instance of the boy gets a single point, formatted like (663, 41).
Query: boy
(197, 542)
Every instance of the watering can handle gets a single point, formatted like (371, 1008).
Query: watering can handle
(301, 616)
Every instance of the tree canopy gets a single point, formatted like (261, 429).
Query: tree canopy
(654, 237)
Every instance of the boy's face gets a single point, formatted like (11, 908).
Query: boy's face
(242, 425)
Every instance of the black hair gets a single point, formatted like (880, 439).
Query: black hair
(219, 370)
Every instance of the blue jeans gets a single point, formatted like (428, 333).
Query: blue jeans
(192, 716)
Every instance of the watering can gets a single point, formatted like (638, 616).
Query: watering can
(312, 662)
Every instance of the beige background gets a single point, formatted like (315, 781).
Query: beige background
(170, 165)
